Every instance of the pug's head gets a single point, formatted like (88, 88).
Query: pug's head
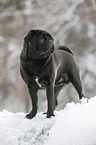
(38, 44)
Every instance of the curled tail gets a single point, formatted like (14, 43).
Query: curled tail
(66, 49)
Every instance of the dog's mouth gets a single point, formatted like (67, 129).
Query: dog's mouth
(43, 54)
(45, 47)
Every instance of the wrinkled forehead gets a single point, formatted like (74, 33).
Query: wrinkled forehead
(37, 33)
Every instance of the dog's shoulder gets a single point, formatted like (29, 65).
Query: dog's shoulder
(56, 58)
(66, 49)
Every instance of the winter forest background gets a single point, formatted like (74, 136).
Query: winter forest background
(71, 22)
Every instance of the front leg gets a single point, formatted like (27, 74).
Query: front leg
(34, 98)
(50, 99)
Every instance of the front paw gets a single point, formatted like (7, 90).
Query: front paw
(31, 114)
(50, 113)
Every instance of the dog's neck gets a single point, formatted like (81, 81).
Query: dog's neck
(46, 63)
(39, 64)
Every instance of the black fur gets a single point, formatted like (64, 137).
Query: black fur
(52, 69)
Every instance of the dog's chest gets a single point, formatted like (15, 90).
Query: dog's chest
(32, 67)
(41, 83)
(37, 81)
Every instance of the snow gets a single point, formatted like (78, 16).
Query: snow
(17, 130)
(75, 125)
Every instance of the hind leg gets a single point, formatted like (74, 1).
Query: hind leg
(57, 89)
(77, 83)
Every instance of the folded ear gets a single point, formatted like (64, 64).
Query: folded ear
(24, 53)
(29, 36)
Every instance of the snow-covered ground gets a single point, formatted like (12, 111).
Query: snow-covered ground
(75, 125)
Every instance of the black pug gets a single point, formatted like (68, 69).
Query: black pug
(42, 67)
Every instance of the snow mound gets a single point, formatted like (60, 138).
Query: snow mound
(75, 125)
(15, 129)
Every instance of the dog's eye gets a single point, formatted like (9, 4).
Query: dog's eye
(41, 40)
